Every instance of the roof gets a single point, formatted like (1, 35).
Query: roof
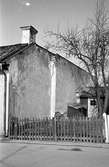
(64, 58)
(77, 106)
(11, 50)
(6, 51)
(90, 92)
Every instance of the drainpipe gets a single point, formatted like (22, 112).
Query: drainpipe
(6, 96)
(5, 81)
(6, 101)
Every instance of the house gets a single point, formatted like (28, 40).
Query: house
(35, 82)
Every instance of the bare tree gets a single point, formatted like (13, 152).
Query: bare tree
(91, 46)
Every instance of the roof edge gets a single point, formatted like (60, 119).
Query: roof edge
(29, 45)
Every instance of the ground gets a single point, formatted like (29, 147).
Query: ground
(61, 155)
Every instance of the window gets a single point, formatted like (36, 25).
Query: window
(93, 102)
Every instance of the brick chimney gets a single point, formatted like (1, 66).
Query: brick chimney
(28, 34)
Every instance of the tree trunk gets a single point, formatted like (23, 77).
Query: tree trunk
(99, 103)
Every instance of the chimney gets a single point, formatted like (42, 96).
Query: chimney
(28, 34)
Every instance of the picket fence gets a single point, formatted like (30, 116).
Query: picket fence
(73, 130)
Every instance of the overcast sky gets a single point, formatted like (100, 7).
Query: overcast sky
(43, 14)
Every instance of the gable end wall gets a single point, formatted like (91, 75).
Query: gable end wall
(29, 84)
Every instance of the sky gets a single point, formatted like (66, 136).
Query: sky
(44, 15)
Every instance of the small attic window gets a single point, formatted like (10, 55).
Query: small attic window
(93, 102)
(5, 66)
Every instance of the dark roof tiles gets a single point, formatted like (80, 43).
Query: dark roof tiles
(6, 51)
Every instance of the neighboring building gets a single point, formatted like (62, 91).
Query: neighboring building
(36, 82)
(90, 96)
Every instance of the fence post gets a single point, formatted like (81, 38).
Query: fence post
(106, 119)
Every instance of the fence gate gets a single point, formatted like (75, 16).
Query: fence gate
(73, 130)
